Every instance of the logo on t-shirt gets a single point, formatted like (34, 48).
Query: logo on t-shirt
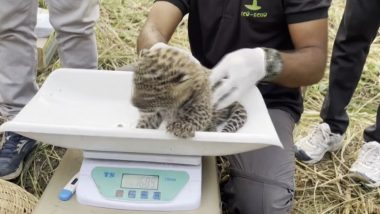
(253, 6)
(253, 10)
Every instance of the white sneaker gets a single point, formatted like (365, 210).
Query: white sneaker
(313, 147)
(367, 166)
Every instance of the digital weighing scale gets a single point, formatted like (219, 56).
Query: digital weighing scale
(125, 167)
(139, 185)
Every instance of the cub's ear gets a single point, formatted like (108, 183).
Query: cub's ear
(143, 53)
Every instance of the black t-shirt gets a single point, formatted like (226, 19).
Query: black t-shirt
(218, 27)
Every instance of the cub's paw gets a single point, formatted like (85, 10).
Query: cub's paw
(181, 129)
(143, 125)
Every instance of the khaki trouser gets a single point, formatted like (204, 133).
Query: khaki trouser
(74, 22)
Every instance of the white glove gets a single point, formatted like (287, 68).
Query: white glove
(159, 45)
(163, 45)
(235, 74)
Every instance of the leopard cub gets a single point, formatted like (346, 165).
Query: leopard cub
(170, 86)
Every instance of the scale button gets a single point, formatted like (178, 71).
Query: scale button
(157, 195)
(132, 194)
(144, 194)
(119, 193)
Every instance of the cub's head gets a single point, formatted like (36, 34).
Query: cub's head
(166, 78)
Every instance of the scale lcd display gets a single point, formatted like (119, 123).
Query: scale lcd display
(134, 181)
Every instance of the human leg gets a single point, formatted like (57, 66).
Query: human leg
(350, 51)
(262, 181)
(18, 65)
(372, 133)
(74, 22)
(18, 60)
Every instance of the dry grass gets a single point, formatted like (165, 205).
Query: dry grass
(322, 188)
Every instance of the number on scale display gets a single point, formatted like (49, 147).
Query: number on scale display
(134, 181)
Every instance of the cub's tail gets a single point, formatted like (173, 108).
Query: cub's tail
(233, 115)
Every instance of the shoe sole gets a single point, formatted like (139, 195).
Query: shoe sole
(29, 158)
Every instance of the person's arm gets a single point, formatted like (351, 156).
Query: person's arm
(305, 65)
(162, 21)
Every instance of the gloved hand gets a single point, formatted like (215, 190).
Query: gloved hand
(235, 74)
(163, 45)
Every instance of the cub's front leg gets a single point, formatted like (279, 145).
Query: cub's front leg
(150, 120)
(181, 129)
(190, 119)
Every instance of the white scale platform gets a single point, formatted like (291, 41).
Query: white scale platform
(91, 110)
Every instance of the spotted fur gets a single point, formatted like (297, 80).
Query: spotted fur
(170, 86)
